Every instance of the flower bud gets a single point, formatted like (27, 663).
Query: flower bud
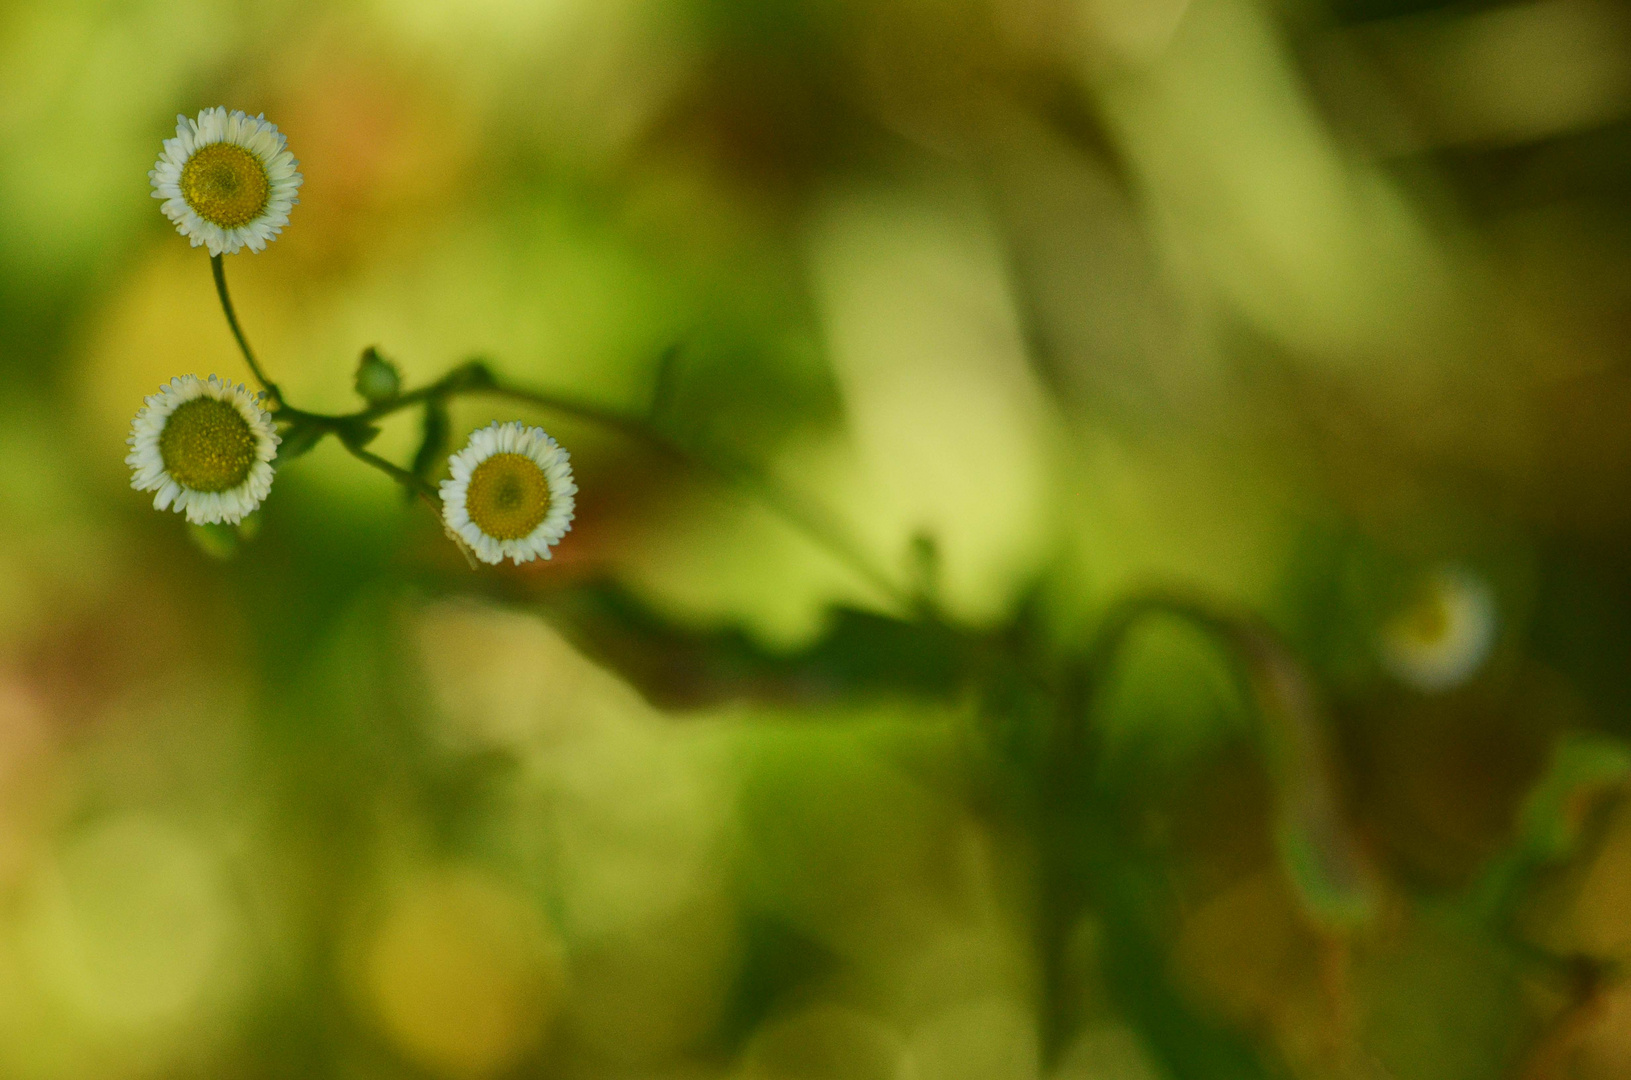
(377, 378)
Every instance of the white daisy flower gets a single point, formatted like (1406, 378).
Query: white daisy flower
(206, 447)
(226, 180)
(510, 494)
(1444, 635)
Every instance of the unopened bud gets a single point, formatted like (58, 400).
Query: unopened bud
(377, 378)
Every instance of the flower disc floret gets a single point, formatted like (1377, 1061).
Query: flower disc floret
(1442, 638)
(508, 496)
(227, 180)
(206, 447)
(510, 493)
(225, 184)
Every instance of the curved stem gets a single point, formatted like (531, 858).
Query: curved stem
(813, 520)
(217, 268)
(419, 486)
(1328, 868)
(474, 378)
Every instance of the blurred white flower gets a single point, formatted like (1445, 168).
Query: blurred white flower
(206, 447)
(1444, 635)
(226, 180)
(511, 493)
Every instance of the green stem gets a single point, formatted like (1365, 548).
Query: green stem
(218, 269)
(419, 486)
(474, 378)
(808, 517)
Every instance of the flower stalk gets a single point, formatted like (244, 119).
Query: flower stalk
(274, 396)
(303, 429)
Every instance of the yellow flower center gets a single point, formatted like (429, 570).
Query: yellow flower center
(225, 185)
(508, 496)
(1427, 622)
(207, 445)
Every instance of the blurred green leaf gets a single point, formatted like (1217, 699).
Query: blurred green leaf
(862, 654)
(298, 438)
(1585, 766)
(1586, 770)
(435, 430)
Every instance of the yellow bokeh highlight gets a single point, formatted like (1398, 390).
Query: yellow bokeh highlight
(827, 1042)
(462, 974)
(129, 924)
(949, 428)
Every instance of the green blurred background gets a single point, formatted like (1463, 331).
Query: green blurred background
(1314, 315)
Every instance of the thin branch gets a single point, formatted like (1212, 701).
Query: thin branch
(418, 485)
(272, 392)
(810, 518)
(814, 521)
(474, 378)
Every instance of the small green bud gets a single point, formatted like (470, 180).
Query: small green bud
(377, 378)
